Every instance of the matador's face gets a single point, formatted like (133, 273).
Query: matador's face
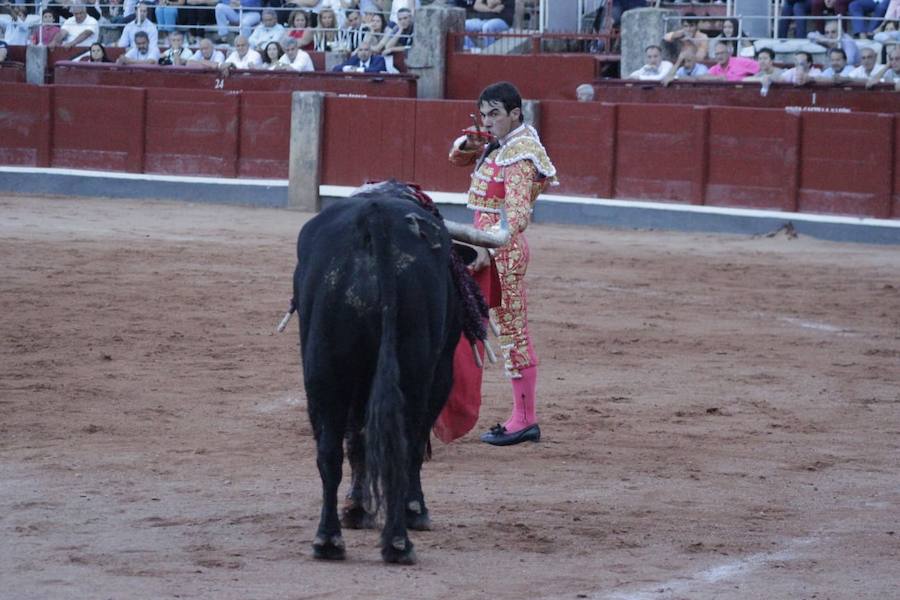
(496, 120)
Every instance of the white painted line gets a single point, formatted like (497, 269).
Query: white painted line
(678, 586)
(146, 176)
(814, 325)
(340, 191)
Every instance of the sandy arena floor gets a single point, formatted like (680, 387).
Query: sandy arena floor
(721, 418)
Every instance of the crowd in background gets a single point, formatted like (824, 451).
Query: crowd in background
(222, 34)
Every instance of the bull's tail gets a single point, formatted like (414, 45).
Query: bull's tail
(385, 432)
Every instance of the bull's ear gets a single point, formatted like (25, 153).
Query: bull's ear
(467, 254)
(425, 229)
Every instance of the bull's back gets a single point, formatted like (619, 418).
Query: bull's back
(337, 281)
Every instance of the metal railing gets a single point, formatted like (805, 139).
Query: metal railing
(531, 43)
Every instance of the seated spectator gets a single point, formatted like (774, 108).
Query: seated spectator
(833, 39)
(838, 70)
(178, 54)
(655, 69)
(167, 14)
(243, 57)
(48, 29)
(793, 8)
(294, 58)
(362, 62)
(768, 72)
(866, 68)
(96, 54)
(687, 67)
(269, 30)
(4, 49)
(889, 30)
(400, 38)
(374, 30)
(827, 8)
(730, 34)
(860, 27)
(300, 30)
(207, 56)
(78, 30)
(803, 70)
(271, 54)
(227, 13)
(197, 16)
(731, 68)
(351, 32)
(584, 92)
(142, 53)
(18, 25)
(689, 31)
(889, 73)
(141, 23)
(400, 5)
(325, 37)
(488, 16)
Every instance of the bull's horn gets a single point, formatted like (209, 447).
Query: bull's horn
(490, 353)
(486, 238)
(477, 356)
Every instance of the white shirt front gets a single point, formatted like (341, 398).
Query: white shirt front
(860, 73)
(186, 54)
(73, 28)
(790, 75)
(217, 57)
(301, 63)
(17, 31)
(648, 73)
(251, 60)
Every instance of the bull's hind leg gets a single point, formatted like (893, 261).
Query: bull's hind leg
(330, 457)
(416, 512)
(354, 514)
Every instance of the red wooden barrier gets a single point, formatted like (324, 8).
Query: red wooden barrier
(26, 124)
(656, 152)
(368, 139)
(538, 76)
(853, 98)
(148, 76)
(438, 123)
(192, 132)
(895, 212)
(12, 72)
(581, 136)
(96, 129)
(264, 135)
(846, 162)
(752, 158)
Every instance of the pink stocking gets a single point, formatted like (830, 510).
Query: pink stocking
(523, 413)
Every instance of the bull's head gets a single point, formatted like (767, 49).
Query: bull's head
(495, 237)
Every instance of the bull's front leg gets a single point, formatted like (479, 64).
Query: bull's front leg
(329, 458)
(355, 514)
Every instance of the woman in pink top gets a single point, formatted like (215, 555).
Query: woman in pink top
(731, 68)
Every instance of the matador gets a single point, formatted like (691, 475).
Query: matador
(511, 169)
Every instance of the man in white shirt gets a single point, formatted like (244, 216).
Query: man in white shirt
(177, 54)
(140, 23)
(207, 56)
(889, 73)
(866, 68)
(802, 71)
(295, 58)
(838, 70)
(243, 57)
(269, 30)
(78, 30)
(655, 69)
(18, 25)
(142, 53)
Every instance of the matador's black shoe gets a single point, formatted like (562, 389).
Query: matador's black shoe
(498, 436)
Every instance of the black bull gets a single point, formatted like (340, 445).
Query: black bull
(380, 318)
